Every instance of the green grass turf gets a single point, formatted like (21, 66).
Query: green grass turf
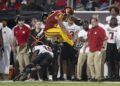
(56, 84)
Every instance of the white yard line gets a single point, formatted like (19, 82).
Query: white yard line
(10, 81)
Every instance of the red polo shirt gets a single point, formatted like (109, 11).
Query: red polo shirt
(21, 34)
(96, 37)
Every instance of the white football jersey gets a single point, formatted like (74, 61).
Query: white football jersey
(108, 18)
(111, 33)
(7, 35)
(72, 29)
(43, 49)
(83, 33)
(118, 38)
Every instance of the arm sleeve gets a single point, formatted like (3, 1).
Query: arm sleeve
(102, 34)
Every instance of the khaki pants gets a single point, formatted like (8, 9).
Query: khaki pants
(81, 60)
(94, 63)
(102, 63)
(23, 57)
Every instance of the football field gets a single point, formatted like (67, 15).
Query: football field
(59, 83)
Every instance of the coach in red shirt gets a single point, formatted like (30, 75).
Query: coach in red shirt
(21, 32)
(96, 38)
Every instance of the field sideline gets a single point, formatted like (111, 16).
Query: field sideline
(37, 83)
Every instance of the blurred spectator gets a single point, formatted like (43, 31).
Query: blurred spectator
(43, 4)
(3, 5)
(51, 3)
(92, 5)
(103, 4)
(14, 5)
(19, 1)
(33, 22)
(3, 1)
(114, 11)
(7, 42)
(117, 3)
(30, 6)
(60, 4)
(84, 3)
(24, 2)
(76, 3)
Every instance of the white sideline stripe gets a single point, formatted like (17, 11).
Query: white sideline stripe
(65, 82)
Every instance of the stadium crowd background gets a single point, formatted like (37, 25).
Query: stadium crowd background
(90, 5)
(20, 6)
